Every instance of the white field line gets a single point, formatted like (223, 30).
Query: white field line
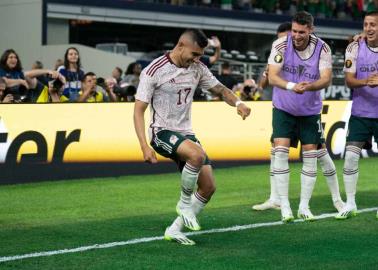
(156, 238)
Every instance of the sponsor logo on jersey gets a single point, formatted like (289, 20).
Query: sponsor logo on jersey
(301, 71)
(369, 67)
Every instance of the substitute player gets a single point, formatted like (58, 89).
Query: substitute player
(361, 74)
(168, 85)
(325, 161)
(299, 66)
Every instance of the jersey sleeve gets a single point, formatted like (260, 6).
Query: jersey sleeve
(207, 79)
(325, 60)
(351, 57)
(277, 52)
(146, 88)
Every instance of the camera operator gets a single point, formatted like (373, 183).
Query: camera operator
(48, 89)
(249, 90)
(89, 91)
(125, 91)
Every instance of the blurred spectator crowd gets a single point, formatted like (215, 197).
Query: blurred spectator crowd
(66, 82)
(331, 9)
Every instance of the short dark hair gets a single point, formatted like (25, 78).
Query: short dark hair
(197, 36)
(372, 13)
(284, 27)
(67, 63)
(4, 58)
(303, 18)
(87, 75)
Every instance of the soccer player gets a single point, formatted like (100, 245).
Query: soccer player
(299, 66)
(168, 85)
(326, 163)
(361, 75)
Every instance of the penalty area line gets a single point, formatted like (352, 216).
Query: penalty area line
(157, 238)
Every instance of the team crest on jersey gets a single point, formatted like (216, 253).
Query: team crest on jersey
(173, 139)
(278, 58)
(348, 63)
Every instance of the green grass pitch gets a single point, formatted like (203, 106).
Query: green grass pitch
(52, 216)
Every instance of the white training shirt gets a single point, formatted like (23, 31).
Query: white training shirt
(279, 47)
(169, 90)
(351, 54)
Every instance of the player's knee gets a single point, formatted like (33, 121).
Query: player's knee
(197, 158)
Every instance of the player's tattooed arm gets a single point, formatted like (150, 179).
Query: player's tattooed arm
(231, 99)
(227, 95)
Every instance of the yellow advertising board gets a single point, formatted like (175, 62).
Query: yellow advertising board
(104, 132)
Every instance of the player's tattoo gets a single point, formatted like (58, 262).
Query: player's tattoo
(219, 89)
(226, 94)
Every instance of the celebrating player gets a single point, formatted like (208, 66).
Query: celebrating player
(326, 163)
(168, 85)
(299, 66)
(361, 74)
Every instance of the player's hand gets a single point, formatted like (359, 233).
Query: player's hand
(301, 87)
(359, 37)
(243, 110)
(149, 155)
(372, 80)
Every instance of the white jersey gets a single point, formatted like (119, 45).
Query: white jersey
(169, 90)
(279, 47)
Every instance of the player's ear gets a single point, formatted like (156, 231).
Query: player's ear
(180, 44)
(312, 29)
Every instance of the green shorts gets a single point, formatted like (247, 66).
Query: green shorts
(362, 129)
(306, 129)
(166, 142)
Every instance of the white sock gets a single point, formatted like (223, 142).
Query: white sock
(329, 172)
(308, 177)
(274, 197)
(350, 173)
(198, 203)
(189, 177)
(282, 174)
